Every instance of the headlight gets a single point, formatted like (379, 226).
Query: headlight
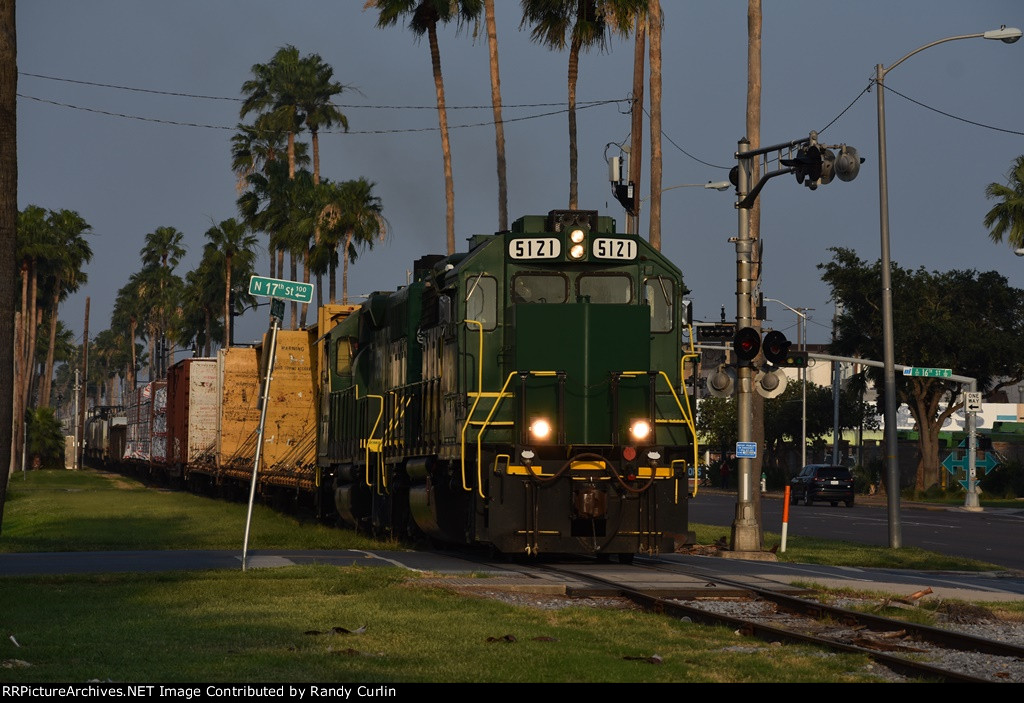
(540, 429)
(577, 236)
(576, 251)
(640, 430)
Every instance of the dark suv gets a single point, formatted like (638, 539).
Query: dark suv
(822, 482)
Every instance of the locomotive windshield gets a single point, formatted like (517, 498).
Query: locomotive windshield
(540, 288)
(606, 288)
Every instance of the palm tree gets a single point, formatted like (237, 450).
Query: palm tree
(8, 231)
(424, 15)
(198, 321)
(129, 311)
(73, 252)
(253, 151)
(580, 24)
(654, 26)
(499, 126)
(230, 241)
(272, 93)
(316, 88)
(164, 247)
(353, 215)
(160, 255)
(1007, 217)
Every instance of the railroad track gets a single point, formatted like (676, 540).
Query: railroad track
(911, 650)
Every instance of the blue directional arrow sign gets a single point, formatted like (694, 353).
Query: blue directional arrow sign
(954, 464)
(987, 461)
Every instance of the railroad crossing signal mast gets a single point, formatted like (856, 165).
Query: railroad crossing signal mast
(814, 165)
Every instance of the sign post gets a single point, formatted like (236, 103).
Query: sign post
(278, 291)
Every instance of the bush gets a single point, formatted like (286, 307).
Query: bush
(1005, 481)
(44, 442)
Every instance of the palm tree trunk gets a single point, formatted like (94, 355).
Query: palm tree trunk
(332, 278)
(294, 305)
(446, 150)
(574, 71)
(636, 146)
(654, 24)
(499, 127)
(32, 331)
(227, 299)
(344, 268)
(44, 393)
(305, 279)
(8, 231)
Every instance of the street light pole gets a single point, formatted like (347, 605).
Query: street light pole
(801, 331)
(1007, 35)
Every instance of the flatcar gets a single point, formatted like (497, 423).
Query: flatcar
(526, 395)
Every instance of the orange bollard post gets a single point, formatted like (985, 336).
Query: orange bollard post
(785, 517)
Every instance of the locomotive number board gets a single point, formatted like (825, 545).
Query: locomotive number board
(605, 248)
(535, 248)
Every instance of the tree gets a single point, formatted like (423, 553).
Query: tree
(654, 28)
(580, 24)
(129, 311)
(424, 16)
(499, 125)
(963, 320)
(8, 231)
(253, 151)
(1006, 218)
(273, 93)
(161, 288)
(72, 253)
(316, 87)
(231, 245)
(353, 215)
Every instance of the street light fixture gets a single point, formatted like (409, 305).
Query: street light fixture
(1005, 34)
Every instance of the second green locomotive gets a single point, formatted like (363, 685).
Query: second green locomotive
(524, 395)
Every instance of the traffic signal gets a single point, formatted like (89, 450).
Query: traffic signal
(747, 343)
(770, 383)
(777, 351)
(722, 381)
(814, 165)
(848, 164)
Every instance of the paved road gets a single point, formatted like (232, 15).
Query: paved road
(991, 535)
(993, 586)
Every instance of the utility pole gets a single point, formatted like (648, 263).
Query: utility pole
(813, 164)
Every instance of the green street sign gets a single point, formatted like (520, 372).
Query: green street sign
(276, 288)
(930, 373)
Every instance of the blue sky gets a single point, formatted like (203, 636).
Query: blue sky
(130, 161)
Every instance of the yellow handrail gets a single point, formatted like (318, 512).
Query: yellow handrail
(479, 390)
(369, 439)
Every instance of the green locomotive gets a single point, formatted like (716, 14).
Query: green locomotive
(524, 395)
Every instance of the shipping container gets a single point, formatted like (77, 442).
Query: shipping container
(192, 407)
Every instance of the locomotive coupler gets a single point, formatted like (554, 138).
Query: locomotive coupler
(589, 502)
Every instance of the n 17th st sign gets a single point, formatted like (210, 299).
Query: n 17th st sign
(276, 288)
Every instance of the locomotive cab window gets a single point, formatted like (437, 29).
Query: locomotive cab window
(539, 288)
(343, 357)
(659, 293)
(606, 288)
(481, 300)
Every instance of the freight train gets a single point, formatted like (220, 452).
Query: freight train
(526, 395)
